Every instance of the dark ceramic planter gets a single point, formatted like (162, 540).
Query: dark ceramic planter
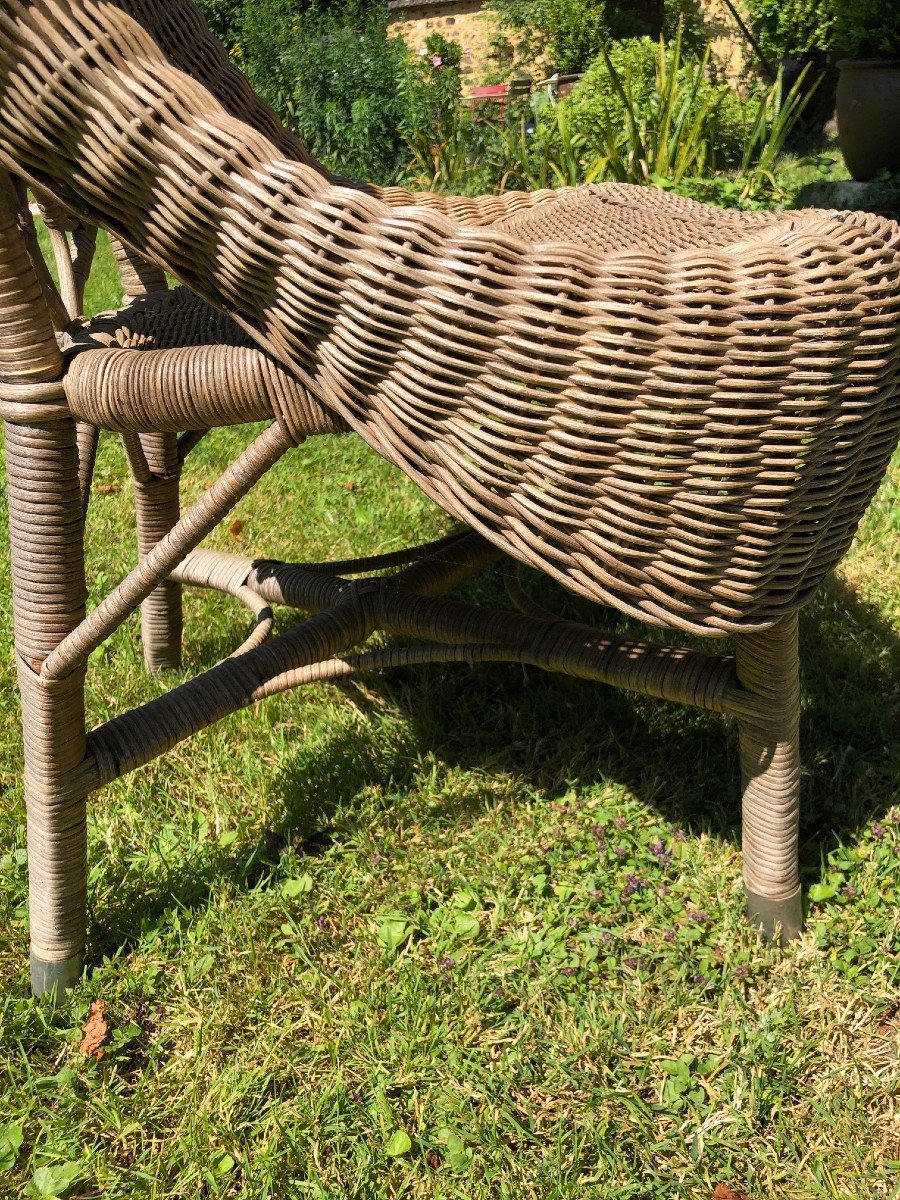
(868, 115)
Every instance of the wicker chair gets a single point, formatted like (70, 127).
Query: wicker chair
(676, 411)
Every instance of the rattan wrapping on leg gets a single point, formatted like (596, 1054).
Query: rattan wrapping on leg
(49, 594)
(767, 664)
(158, 509)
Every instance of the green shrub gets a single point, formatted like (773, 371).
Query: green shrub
(790, 28)
(688, 16)
(568, 32)
(223, 18)
(632, 75)
(432, 86)
(858, 28)
(333, 74)
(867, 28)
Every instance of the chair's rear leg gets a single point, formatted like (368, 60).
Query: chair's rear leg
(768, 664)
(47, 559)
(157, 502)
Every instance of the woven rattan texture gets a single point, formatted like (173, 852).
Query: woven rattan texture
(199, 370)
(689, 434)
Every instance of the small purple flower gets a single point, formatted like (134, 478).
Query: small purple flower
(356, 1097)
(669, 935)
(678, 834)
(597, 896)
(620, 823)
(572, 922)
(606, 937)
(599, 832)
(621, 852)
(633, 883)
(878, 830)
(661, 853)
(742, 971)
(701, 980)
(376, 858)
(895, 816)
(850, 892)
(663, 889)
(698, 916)
(437, 61)
(568, 972)
(322, 922)
(446, 962)
(631, 962)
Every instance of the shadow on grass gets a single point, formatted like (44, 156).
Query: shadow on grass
(551, 732)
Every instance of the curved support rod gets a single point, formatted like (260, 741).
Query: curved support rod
(192, 571)
(197, 522)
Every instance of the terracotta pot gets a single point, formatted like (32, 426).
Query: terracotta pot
(868, 114)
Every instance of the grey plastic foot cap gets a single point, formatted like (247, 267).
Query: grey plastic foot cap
(782, 916)
(55, 977)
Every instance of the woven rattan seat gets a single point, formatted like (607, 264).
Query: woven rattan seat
(618, 217)
(673, 410)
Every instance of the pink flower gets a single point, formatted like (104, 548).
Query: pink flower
(437, 61)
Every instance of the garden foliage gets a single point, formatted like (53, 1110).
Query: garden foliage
(855, 28)
(372, 109)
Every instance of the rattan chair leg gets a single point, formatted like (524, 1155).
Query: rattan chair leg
(157, 503)
(768, 664)
(47, 558)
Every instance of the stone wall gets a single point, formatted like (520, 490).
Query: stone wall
(474, 27)
(727, 46)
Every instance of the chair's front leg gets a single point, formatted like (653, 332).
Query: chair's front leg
(157, 504)
(47, 559)
(768, 664)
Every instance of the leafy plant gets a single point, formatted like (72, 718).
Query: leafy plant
(776, 116)
(856, 28)
(667, 129)
(867, 28)
(431, 90)
(335, 76)
(792, 28)
(630, 75)
(558, 155)
(567, 32)
(223, 18)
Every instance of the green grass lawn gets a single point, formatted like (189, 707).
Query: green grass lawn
(461, 932)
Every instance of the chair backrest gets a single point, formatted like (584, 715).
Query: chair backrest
(691, 436)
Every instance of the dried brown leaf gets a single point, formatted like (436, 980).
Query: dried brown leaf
(236, 528)
(107, 489)
(724, 1191)
(94, 1031)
